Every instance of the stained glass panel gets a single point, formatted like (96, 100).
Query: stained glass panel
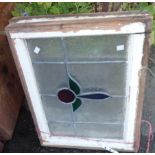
(81, 82)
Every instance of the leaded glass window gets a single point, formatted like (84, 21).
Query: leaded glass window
(83, 76)
(81, 82)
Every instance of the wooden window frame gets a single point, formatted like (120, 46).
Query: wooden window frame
(136, 24)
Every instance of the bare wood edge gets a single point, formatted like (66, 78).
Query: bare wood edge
(142, 82)
(141, 13)
(22, 79)
(75, 26)
(90, 22)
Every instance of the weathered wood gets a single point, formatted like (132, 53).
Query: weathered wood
(87, 21)
(11, 93)
(127, 14)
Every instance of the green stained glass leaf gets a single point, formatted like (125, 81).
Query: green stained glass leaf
(76, 104)
(74, 86)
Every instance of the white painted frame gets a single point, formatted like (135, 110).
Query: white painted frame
(135, 48)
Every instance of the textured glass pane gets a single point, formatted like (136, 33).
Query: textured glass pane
(99, 131)
(110, 110)
(91, 95)
(106, 77)
(46, 49)
(62, 129)
(111, 47)
(50, 77)
(56, 110)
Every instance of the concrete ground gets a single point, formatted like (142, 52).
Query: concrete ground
(25, 138)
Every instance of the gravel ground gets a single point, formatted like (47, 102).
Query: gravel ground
(25, 138)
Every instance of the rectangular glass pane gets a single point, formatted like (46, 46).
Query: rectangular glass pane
(45, 49)
(100, 131)
(108, 47)
(62, 129)
(111, 131)
(50, 77)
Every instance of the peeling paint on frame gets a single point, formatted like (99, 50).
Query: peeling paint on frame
(135, 45)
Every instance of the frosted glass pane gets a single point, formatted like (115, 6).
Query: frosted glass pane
(97, 118)
(50, 77)
(107, 77)
(56, 110)
(99, 131)
(110, 110)
(111, 47)
(62, 129)
(50, 49)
